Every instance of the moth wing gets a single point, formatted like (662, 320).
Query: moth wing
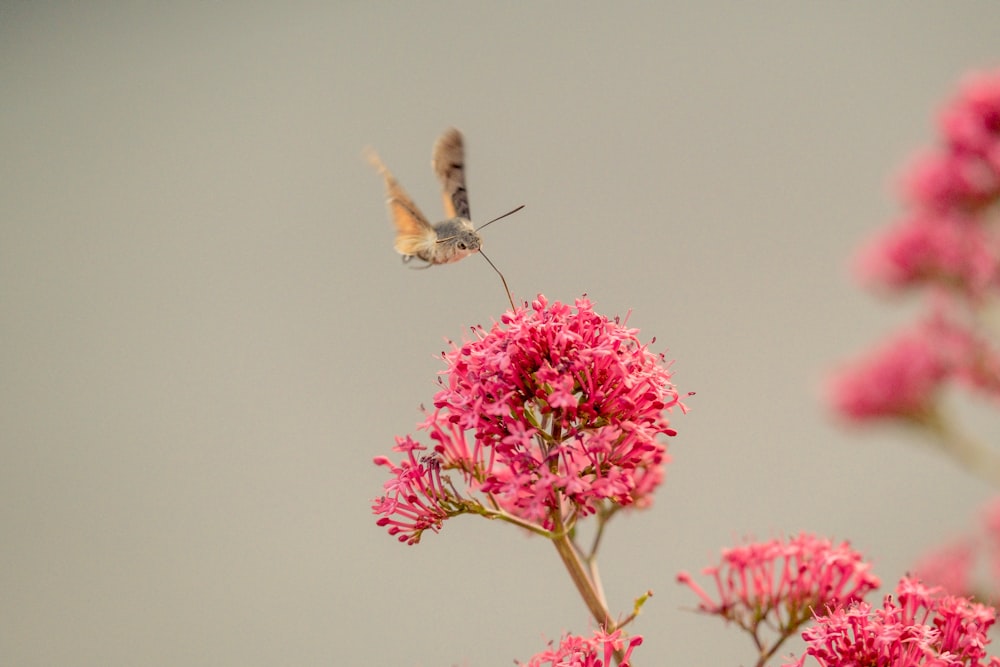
(448, 162)
(414, 234)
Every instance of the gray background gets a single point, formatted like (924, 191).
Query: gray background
(206, 335)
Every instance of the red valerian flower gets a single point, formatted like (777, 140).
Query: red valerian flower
(781, 583)
(921, 629)
(962, 175)
(971, 121)
(903, 376)
(416, 497)
(954, 251)
(900, 378)
(596, 651)
(947, 243)
(939, 182)
(548, 416)
(947, 236)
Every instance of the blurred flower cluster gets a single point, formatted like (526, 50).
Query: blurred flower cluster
(945, 246)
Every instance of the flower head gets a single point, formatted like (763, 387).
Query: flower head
(551, 413)
(946, 237)
(416, 497)
(971, 121)
(953, 251)
(900, 378)
(782, 583)
(948, 243)
(962, 175)
(943, 181)
(577, 651)
(903, 376)
(921, 629)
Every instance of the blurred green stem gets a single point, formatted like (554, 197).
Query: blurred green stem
(973, 455)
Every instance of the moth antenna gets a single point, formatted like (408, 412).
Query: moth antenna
(502, 279)
(500, 218)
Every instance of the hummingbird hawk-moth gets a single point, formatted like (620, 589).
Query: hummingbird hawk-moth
(449, 240)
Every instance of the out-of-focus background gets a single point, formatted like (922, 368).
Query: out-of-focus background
(207, 337)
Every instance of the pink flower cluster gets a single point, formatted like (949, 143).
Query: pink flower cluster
(416, 497)
(946, 237)
(550, 413)
(946, 249)
(782, 583)
(902, 377)
(947, 242)
(596, 651)
(922, 629)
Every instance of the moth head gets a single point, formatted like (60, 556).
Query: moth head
(467, 241)
(458, 245)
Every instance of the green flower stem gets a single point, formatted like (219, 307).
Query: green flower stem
(768, 653)
(578, 574)
(588, 591)
(510, 518)
(590, 558)
(970, 453)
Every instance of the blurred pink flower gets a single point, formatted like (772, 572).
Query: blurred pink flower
(948, 567)
(596, 651)
(782, 583)
(900, 378)
(991, 526)
(922, 629)
(948, 239)
(555, 409)
(949, 250)
(971, 121)
(940, 182)
(964, 174)
(991, 519)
